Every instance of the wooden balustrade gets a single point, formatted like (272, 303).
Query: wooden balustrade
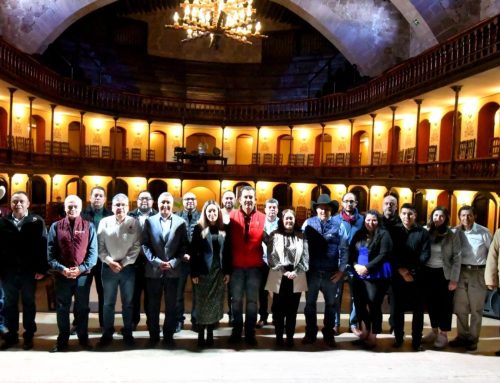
(470, 52)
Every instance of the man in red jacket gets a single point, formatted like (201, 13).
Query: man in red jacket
(247, 232)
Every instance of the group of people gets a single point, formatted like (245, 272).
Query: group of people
(250, 255)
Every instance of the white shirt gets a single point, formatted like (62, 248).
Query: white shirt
(120, 242)
(475, 245)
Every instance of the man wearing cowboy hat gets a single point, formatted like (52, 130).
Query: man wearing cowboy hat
(327, 262)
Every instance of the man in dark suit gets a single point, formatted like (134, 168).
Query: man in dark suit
(164, 244)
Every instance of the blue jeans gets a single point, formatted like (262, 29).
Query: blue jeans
(110, 283)
(353, 320)
(245, 285)
(155, 288)
(320, 281)
(13, 283)
(65, 290)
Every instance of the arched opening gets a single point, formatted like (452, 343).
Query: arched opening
(38, 133)
(318, 190)
(156, 187)
(72, 188)
(3, 127)
(421, 205)
(362, 197)
(393, 144)
(485, 207)
(327, 148)
(202, 194)
(158, 143)
(284, 148)
(445, 132)
(37, 190)
(360, 145)
(283, 193)
(120, 187)
(244, 149)
(195, 139)
(237, 190)
(424, 133)
(74, 135)
(118, 142)
(486, 128)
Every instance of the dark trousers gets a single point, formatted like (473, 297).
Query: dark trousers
(438, 298)
(408, 296)
(13, 284)
(139, 289)
(286, 304)
(263, 294)
(156, 287)
(368, 298)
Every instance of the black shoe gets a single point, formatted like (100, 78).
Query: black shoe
(234, 339)
(59, 348)
(398, 342)
(153, 341)
(105, 341)
(308, 340)
(330, 342)
(417, 347)
(250, 340)
(129, 341)
(457, 342)
(168, 342)
(497, 353)
(471, 346)
(289, 342)
(28, 344)
(8, 343)
(72, 330)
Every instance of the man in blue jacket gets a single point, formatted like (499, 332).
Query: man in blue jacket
(327, 263)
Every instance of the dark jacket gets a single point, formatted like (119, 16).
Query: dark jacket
(412, 248)
(24, 250)
(190, 224)
(202, 252)
(89, 214)
(379, 249)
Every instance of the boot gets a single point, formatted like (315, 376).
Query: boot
(201, 336)
(210, 336)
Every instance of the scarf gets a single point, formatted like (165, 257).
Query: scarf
(348, 218)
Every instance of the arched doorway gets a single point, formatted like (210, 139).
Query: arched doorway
(283, 193)
(120, 187)
(244, 149)
(445, 132)
(362, 197)
(360, 145)
(393, 144)
(284, 148)
(485, 206)
(424, 133)
(118, 142)
(156, 187)
(158, 143)
(74, 135)
(237, 191)
(37, 190)
(195, 139)
(421, 205)
(72, 188)
(202, 194)
(327, 148)
(318, 190)
(38, 133)
(486, 128)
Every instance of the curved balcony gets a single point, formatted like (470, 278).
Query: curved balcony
(473, 51)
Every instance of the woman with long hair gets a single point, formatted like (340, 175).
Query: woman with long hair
(210, 269)
(440, 275)
(369, 254)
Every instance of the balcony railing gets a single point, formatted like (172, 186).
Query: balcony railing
(472, 51)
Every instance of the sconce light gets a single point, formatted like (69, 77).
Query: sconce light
(17, 178)
(304, 135)
(58, 119)
(138, 129)
(264, 133)
(302, 188)
(263, 186)
(97, 180)
(176, 183)
(57, 180)
(18, 112)
(98, 125)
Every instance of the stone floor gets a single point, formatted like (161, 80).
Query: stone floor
(265, 363)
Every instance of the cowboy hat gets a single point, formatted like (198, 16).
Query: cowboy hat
(324, 199)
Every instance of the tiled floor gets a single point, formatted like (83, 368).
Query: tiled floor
(265, 363)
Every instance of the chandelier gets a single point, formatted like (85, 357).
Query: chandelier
(216, 18)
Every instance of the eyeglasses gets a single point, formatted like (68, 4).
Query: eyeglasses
(144, 199)
(350, 201)
(189, 199)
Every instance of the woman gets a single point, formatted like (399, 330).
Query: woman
(440, 276)
(210, 269)
(288, 260)
(369, 253)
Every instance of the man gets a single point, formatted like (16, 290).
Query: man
(350, 219)
(144, 210)
(228, 199)
(327, 264)
(411, 252)
(3, 329)
(23, 261)
(247, 232)
(191, 216)
(271, 224)
(492, 271)
(119, 240)
(164, 244)
(94, 213)
(72, 253)
(471, 290)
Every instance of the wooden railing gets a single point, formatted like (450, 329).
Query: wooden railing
(472, 51)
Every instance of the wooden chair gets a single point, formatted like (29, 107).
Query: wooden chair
(56, 148)
(462, 150)
(106, 151)
(330, 159)
(268, 159)
(376, 158)
(310, 160)
(255, 158)
(278, 159)
(151, 155)
(136, 154)
(94, 151)
(383, 159)
(401, 156)
(494, 149)
(470, 152)
(20, 144)
(292, 159)
(340, 159)
(65, 148)
(432, 153)
(300, 159)
(125, 155)
(410, 155)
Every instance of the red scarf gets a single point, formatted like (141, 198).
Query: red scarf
(73, 243)
(348, 218)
